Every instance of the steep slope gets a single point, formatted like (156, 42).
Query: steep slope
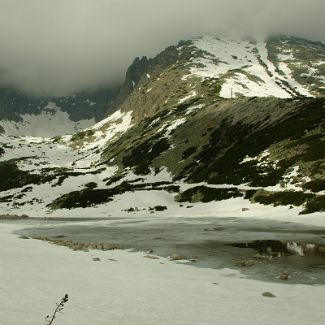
(246, 69)
(303, 60)
(208, 120)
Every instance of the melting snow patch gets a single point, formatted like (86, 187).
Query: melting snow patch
(193, 109)
(90, 103)
(259, 158)
(293, 83)
(247, 159)
(174, 126)
(192, 94)
(155, 121)
(52, 106)
(169, 127)
(295, 248)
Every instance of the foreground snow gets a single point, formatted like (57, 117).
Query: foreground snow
(136, 290)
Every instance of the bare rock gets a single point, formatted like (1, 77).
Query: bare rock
(248, 263)
(176, 257)
(284, 276)
(151, 257)
(268, 294)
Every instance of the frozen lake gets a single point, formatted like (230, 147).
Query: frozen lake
(261, 249)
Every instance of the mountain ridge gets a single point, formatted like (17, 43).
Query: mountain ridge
(21, 114)
(186, 129)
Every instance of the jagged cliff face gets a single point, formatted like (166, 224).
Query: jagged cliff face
(218, 118)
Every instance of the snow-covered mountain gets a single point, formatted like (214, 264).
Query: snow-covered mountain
(254, 69)
(49, 122)
(208, 120)
(22, 114)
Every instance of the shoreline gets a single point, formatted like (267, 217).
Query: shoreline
(261, 250)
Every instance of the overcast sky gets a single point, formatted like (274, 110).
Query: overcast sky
(55, 47)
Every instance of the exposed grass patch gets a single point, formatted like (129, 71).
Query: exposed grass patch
(316, 204)
(188, 152)
(295, 198)
(91, 196)
(81, 199)
(158, 208)
(230, 143)
(12, 177)
(81, 135)
(207, 194)
(316, 185)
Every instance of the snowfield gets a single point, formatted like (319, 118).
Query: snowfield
(244, 69)
(80, 156)
(49, 123)
(126, 288)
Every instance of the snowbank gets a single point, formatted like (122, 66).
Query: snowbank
(125, 288)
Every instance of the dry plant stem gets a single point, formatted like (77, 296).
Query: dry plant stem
(59, 307)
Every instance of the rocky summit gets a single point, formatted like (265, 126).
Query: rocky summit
(209, 120)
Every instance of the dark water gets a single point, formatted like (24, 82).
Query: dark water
(261, 249)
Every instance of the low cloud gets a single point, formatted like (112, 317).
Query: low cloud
(56, 47)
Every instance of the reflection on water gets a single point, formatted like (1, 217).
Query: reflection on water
(279, 248)
(261, 249)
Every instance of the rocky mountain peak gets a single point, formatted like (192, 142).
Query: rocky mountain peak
(210, 67)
